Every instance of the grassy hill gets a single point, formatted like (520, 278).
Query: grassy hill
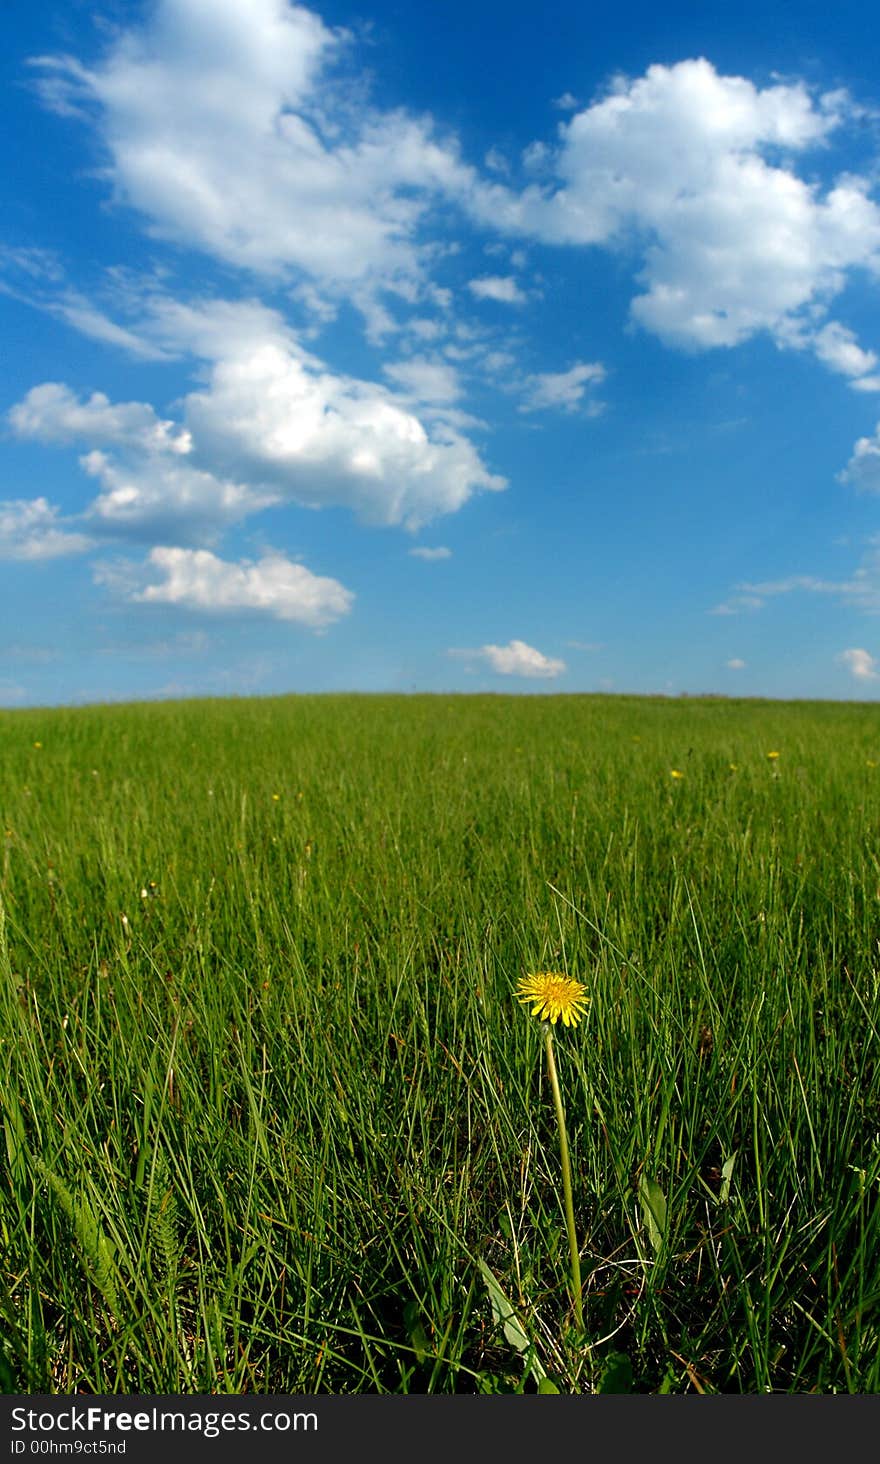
(269, 1099)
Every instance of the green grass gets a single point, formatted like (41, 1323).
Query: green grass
(265, 1116)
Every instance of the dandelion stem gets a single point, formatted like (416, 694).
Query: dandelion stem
(566, 1180)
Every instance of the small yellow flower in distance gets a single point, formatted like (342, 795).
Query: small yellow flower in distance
(772, 755)
(552, 995)
(674, 773)
(869, 763)
(276, 797)
(734, 767)
(38, 744)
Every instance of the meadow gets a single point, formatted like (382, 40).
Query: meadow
(275, 1121)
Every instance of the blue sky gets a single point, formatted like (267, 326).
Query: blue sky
(395, 347)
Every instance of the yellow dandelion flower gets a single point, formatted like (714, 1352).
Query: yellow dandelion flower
(675, 773)
(734, 767)
(276, 797)
(552, 995)
(772, 755)
(38, 744)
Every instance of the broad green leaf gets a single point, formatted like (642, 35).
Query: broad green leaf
(616, 1375)
(412, 1317)
(653, 1202)
(505, 1316)
(726, 1174)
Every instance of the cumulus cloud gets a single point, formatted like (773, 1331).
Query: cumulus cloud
(863, 469)
(149, 488)
(696, 169)
(225, 128)
(33, 528)
(514, 659)
(270, 424)
(562, 390)
(235, 134)
(155, 498)
(271, 415)
(53, 413)
(503, 288)
(195, 579)
(423, 552)
(860, 663)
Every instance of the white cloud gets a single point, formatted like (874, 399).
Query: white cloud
(696, 170)
(32, 261)
(166, 498)
(496, 162)
(272, 414)
(860, 663)
(423, 552)
(863, 469)
(52, 413)
(197, 580)
(503, 288)
(737, 604)
(150, 489)
(85, 317)
(32, 528)
(735, 664)
(860, 590)
(225, 127)
(234, 133)
(838, 348)
(270, 424)
(425, 381)
(514, 659)
(563, 390)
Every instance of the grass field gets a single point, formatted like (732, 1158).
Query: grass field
(269, 1099)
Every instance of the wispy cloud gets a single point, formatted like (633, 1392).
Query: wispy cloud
(562, 390)
(860, 590)
(12, 693)
(423, 552)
